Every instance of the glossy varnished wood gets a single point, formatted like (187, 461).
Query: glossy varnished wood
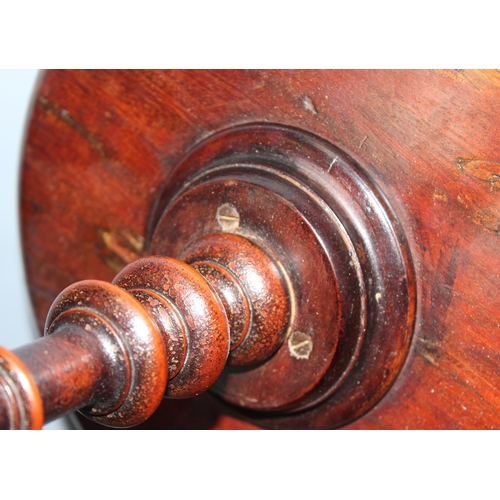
(350, 273)
(110, 349)
(429, 139)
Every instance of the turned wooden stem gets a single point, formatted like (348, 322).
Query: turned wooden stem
(162, 328)
(71, 364)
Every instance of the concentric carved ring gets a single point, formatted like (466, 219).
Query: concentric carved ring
(236, 302)
(352, 287)
(263, 283)
(203, 313)
(22, 406)
(107, 310)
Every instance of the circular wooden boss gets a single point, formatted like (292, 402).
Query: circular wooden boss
(312, 208)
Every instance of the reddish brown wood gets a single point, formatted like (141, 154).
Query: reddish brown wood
(21, 405)
(102, 145)
(102, 353)
(236, 303)
(350, 273)
(130, 356)
(262, 283)
(108, 353)
(171, 284)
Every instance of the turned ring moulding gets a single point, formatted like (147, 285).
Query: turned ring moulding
(343, 254)
(279, 278)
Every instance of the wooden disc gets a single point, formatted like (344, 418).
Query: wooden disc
(102, 145)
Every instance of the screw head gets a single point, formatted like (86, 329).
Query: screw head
(300, 345)
(228, 217)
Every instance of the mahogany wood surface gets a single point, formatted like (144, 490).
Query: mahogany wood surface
(101, 146)
(349, 272)
(113, 351)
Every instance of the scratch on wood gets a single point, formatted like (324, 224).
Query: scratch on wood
(466, 76)
(487, 221)
(439, 293)
(484, 218)
(430, 356)
(440, 196)
(308, 104)
(124, 247)
(333, 163)
(65, 116)
(427, 356)
(362, 142)
(442, 289)
(487, 171)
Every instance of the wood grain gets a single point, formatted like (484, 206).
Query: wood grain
(429, 139)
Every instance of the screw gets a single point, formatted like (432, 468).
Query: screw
(300, 345)
(228, 217)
